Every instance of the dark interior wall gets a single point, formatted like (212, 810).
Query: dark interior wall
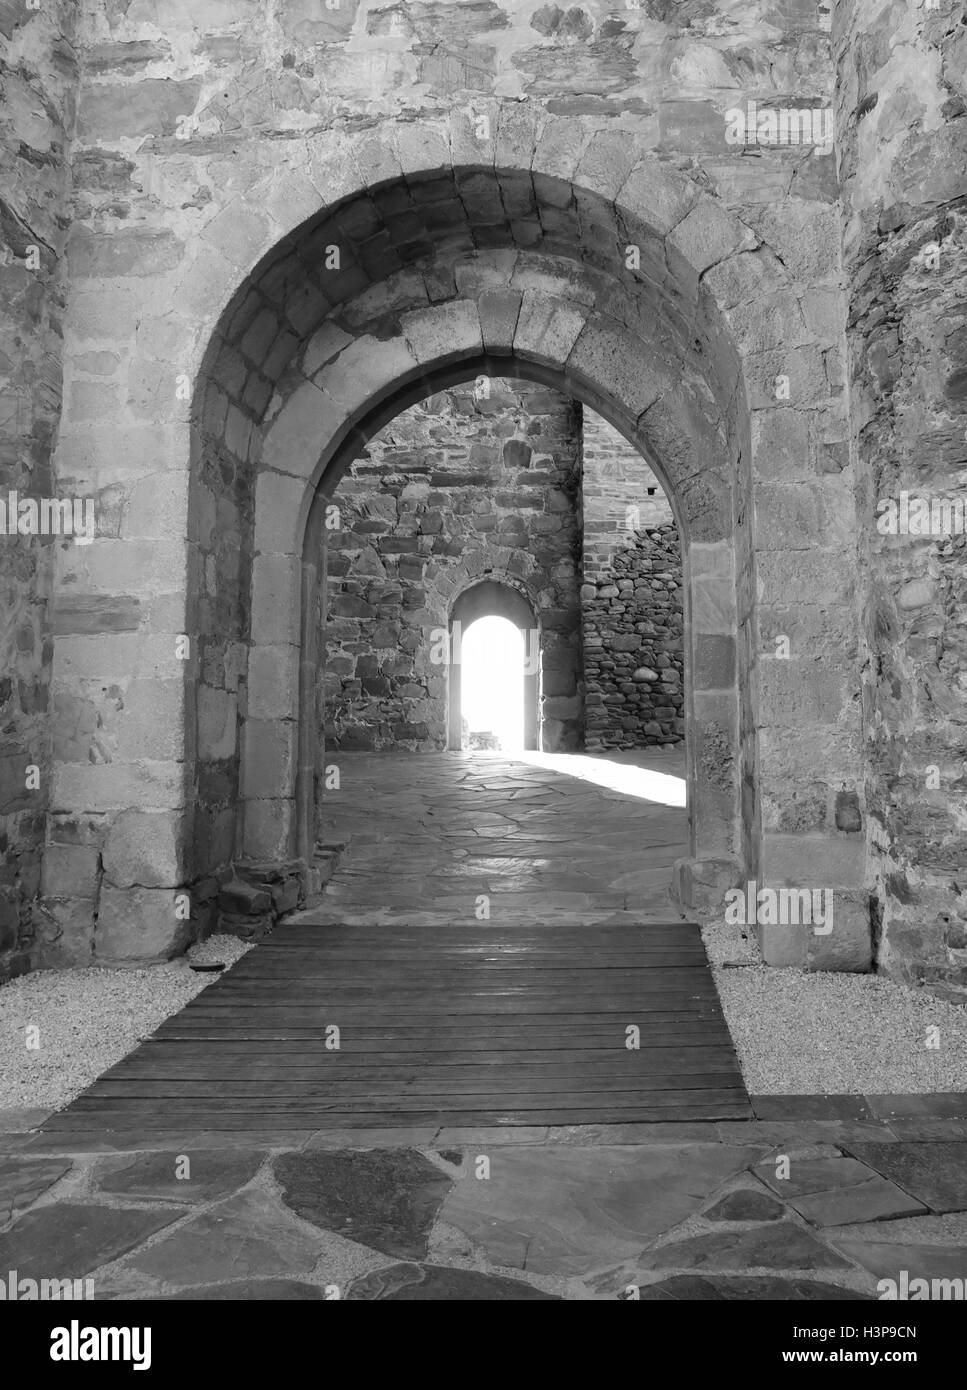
(38, 79)
(481, 481)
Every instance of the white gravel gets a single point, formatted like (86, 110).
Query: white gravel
(834, 1034)
(87, 1020)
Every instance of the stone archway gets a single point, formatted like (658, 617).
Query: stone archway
(461, 256)
(652, 350)
(494, 598)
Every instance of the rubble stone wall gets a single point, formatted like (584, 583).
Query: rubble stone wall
(631, 598)
(902, 120)
(38, 81)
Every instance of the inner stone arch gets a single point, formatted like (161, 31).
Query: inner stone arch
(279, 813)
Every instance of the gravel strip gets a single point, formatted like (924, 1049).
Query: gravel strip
(87, 1020)
(834, 1034)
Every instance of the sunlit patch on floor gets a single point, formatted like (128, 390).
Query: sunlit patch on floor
(642, 782)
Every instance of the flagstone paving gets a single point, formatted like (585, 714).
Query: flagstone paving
(426, 835)
(485, 1220)
(22, 1180)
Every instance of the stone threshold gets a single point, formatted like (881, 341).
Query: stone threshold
(810, 1119)
(937, 1105)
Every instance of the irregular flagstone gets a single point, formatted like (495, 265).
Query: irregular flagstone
(779, 1246)
(67, 1240)
(211, 1174)
(387, 1199)
(839, 1191)
(22, 1180)
(747, 1204)
(887, 1259)
(710, 1288)
(249, 1235)
(934, 1173)
(547, 844)
(569, 1210)
(412, 1283)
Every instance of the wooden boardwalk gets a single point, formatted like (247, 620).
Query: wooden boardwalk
(460, 1025)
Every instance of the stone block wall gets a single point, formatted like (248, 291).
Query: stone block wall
(902, 99)
(38, 80)
(481, 481)
(631, 598)
(622, 495)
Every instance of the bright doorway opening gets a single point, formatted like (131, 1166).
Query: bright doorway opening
(492, 686)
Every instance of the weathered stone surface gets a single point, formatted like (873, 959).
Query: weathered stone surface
(247, 1236)
(888, 1259)
(93, 613)
(145, 848)
(839, 1191)
(745, 1205)
(67, 1240)
(70, 871)
(138, 926)
(932, 1173)
(22, 1180)
(211, 1174)
(133, 252)
(111, 111)
(779, 1246)
(386, 1199)
(530, 1213)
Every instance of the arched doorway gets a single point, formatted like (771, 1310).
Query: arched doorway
(491, 598)
(647, 349)
(454, 261)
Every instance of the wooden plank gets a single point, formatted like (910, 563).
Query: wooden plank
(617, 1055)
(574, 1101)
(438, 1026)
(418, 1079)
(418, 1044)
